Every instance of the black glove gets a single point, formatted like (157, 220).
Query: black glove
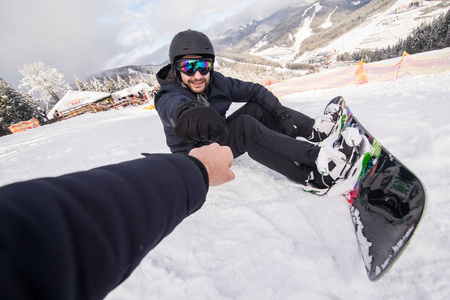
(200, 123)
(284, 121)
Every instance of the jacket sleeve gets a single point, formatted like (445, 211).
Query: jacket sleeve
(168, 103)
(79, 235)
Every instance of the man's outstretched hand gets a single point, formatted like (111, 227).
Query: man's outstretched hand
(217, 161)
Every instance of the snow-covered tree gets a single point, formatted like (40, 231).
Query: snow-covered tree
(447, 36)
(140, 77)
(121, 83)
(82, 85)
(152, 81)
(5, 114)
(38, 112)
(110, 85)
(16, 107)
(133, 80)
(46, 82)
(96, 85)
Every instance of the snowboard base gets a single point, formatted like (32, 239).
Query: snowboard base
(386, 206)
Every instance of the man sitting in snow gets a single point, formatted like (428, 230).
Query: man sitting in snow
(192, 104)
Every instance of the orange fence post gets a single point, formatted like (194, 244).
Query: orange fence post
(400, 64)
(361, 75)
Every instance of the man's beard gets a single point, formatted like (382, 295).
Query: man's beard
(195, 81)
(199, 81)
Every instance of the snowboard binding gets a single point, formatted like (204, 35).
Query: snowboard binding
(340, 162)
(331, 122)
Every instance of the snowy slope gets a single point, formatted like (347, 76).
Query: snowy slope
(385, 28)
(260, 236)
(287, 54)
(379, 31)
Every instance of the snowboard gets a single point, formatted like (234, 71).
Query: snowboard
(386, 201)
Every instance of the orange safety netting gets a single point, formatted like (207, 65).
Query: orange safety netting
(409, 65)
(24, 125)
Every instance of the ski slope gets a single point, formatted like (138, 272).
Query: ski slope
(377, 32)
(260, 236)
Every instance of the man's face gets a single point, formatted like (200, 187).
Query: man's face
(197, 82)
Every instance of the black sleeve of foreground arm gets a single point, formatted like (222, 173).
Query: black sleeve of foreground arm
(79, 235)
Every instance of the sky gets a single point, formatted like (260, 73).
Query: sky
(83, 37)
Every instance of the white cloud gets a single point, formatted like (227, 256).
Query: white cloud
(85, 36)
(68, 35)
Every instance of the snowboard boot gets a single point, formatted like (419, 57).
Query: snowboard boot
(336, 158)
(330, 122)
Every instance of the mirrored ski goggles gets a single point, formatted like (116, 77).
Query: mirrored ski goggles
(190, 66)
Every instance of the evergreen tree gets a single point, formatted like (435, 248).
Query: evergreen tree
(447, 37)
(5, 114)
(97, 86)
(150, 79)
(425, 37)
(121, 83)
(110, 85)
(132, 80)
(437, 32)
(38, 112)
(447, 23)
(82, 85)
(418, 39)
(14, 108)
(408, 45)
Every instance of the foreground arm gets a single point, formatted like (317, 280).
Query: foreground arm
(78, 236)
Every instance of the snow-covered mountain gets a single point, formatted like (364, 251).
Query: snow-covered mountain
(332, 27)
(278, 28)
(126, 71)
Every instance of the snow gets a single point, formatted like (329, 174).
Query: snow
(364, 244)
(328, 22)
(260, 236)
(383, 29)
(378, 31)
(287, 54)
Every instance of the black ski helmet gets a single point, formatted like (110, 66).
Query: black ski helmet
(190, 42)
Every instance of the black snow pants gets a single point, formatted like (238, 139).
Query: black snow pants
(254, 130)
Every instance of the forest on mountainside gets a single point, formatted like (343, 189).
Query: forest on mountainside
(425, 37)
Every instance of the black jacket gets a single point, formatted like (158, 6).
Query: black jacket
(221, 92)
(78, 236)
